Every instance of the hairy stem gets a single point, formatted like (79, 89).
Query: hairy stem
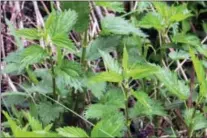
(126, 111)
(84, 45)
(190, 129)
(53, 78)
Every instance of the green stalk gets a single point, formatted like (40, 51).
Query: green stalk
(53, 78)
(190, 129)
(126, 111)
(84, 45)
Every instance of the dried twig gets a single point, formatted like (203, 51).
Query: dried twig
(39, 19)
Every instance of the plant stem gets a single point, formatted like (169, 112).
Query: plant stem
(53, 78)
(125, 92)
(84, 45)
(190, 129)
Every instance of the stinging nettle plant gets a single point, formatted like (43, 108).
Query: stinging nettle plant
(114, 79)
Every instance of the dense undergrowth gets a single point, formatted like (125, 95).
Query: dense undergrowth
(144, 75)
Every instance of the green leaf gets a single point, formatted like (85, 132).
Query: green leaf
(109, 76)
(141, 110)
(172, 14)
(200, 73)
(125, 60)
(163, 9)
(143, 6)
(62, 41)
(72, 132)
(35, 124)
(111, 102)
(12, 123)
(202, 49)
(29, 33)
(13, 98)
(152, 20)
(98, 111)
(173, 84)
(97, 89)
(48, 112)
(115, 97)
(45, 84)
(188, 39)
(70, 68)
(110, 127)
(83, 11)
(31, 75)
(142, 98)
(32, 54)
(142, 71)
(176, 55)
(197, 122)
(134, 46)
(106, 44)
(117, 25)
(110, 63)
(146, 106)
(11, 68)
(179, 13)
(69, 73)
(60, 22)
(18, 132)
(12, 30)
(115, 6)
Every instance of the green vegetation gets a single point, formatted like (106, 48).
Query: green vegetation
(146, 68)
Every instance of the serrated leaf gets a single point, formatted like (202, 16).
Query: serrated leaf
(97, 89)
(111, 102)
(45, 84)
(118, 25)
(176, 55)
(179, 13)
(142, 98)
(162, 8)
(48, 112)
(12, 30)
(29, 33)
(71, 68)
(32, 54)
(200, 73)
(109, 76)
(143, 6)
(11, 68)
(191, 40)
(11, 122)
(35, 124)
(114, 96)
(69, 74)
(72, 132)
(83, 11)
(152, 20)
(115, 6)
(110, 127)
(146, 106)
(141, 71)
(98, 111)
(62, 41)
(110, 63)
(198, 121)
(13, 98)
(106, 44)
(19, 132)
(125, 60)
(60, 22)
(140, 110)
(173, 84)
